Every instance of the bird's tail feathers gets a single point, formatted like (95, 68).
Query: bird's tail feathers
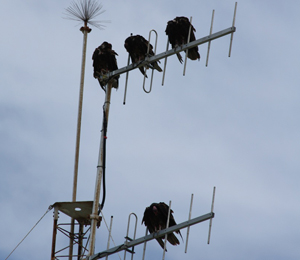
(179, 57)
(161, 243)
(193, 54)
(156, 66)
(143, 71)
(178, 232)
(173, 239)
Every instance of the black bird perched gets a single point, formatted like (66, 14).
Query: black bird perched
(178, 32)
(137, 47)
(155, 219)
(104, 61)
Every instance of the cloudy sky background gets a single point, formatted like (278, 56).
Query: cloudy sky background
(233, 125)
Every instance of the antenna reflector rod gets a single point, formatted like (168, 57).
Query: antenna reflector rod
(187, 50)
(233, 24)
(210, 32)
(127, 233)
(148, 49)
(188, 228)
(212, 209)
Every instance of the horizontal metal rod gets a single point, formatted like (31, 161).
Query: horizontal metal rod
(162, 55)
(152, 236)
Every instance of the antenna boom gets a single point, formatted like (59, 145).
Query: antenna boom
(162, 55)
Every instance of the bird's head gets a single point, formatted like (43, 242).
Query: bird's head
(155, 210)
(105, 45)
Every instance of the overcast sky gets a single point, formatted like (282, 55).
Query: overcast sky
(234, 125)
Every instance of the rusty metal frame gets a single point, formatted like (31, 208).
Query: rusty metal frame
(79, 212)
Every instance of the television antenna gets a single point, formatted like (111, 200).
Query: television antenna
(91, 209)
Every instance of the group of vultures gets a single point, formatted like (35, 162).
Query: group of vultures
(104, 57)
(104, 61)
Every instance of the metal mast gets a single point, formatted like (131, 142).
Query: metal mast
(94, 216)
(84, 10)
(85, 30)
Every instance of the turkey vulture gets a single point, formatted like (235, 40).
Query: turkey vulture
(155, 218)
(104, 61)
(178, 31)
(137, 47)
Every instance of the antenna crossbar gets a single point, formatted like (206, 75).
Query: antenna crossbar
(152, 236)
(162, 55)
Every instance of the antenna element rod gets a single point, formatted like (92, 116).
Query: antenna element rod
(212, 209)
(188, 41)
(233, 23)
(210, 32)
(188, 228)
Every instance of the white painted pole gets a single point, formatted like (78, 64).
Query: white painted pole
(85, 30)
(94, 216)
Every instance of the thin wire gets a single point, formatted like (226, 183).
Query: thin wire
(49, 208)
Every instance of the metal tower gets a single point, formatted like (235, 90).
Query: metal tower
(86, 213)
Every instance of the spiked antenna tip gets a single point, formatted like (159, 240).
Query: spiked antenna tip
(86, 11)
